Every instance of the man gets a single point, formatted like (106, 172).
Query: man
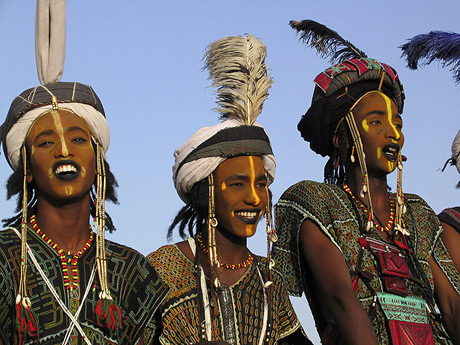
(61, 282)
(220, 291)
(365, 258)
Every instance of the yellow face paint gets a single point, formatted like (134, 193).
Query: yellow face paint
(83, 171)
(365, 125)
(223, 186)
(379, 152)
(68, 190)
(253, 178)
(390, 115)
(60, 131)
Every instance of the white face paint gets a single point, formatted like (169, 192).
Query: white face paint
(60, 131)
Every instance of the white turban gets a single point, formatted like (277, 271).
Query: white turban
(185, 175)
(96, 122)
(456, 151)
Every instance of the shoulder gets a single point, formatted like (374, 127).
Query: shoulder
(174, 268)
(308, 188)
(451, 216)
(167, 253)
(310, 193)
(8, 236)
(120, 250)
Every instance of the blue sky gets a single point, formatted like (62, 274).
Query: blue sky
(143, 58)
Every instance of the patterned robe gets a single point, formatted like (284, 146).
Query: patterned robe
(133, 284)
(180, 311)
(331, 209)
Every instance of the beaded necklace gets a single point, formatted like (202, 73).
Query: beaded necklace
(366, 211)
(244, 264)
(67, 258)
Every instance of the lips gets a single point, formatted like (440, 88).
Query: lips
(250, 216)
(391, 151)
(66, 170)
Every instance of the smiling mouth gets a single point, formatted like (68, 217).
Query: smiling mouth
(391, 151)
(248, 216)
(66, 170)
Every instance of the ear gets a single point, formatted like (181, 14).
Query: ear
(336, 143)
(29, 177)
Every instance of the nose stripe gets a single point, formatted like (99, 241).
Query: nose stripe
(253, 179)
(60, 131)
(390, 115)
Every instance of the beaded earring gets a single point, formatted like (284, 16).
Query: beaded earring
(365, 190)
(271, 238)
(213, 255)
(107, 311)
(400, 205)
(352, 156)
(26, 323)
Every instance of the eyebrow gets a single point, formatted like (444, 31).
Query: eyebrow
(376, 112)
(46, 132)
(245, 177)
(75, 129)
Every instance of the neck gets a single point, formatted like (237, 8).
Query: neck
(378, 187)
(66, 225)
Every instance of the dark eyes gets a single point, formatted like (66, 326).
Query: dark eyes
(79, 140)
(45, 143)
(241, 184)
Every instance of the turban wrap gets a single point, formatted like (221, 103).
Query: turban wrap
(29, 105)
(209, 146)
(337, 90)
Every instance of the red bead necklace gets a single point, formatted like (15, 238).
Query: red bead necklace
(366, 211)
(66, 258)
(244, 264)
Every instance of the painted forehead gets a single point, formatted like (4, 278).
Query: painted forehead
(241, 165)
(56, 121)
(375, 100)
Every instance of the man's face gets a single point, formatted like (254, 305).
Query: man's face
(240, 195)
(62, 160)
(380, 128)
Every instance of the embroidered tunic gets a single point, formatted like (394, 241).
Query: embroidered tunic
(133, 283)
(178, 317)
(330, 208)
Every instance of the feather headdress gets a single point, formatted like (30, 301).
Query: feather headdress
(327, 42)
(436, 45)
(237, 69)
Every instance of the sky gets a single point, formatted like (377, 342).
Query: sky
(144, 60)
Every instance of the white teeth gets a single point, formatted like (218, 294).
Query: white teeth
(65, 169)
(246, 214)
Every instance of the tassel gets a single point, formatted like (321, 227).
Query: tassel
(108, 314)
(26, 323)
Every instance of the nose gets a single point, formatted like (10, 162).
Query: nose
(392, 132)
(62, 149)
(251, 197)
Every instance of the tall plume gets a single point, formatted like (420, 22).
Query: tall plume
(436, 45)
(327, 42)
(237, 69)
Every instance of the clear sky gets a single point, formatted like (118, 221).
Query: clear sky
(143, 58)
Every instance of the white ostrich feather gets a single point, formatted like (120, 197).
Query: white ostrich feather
(237, 69)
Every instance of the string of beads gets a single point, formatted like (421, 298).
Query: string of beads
(366, 211)
(67, 258)
(244, 264)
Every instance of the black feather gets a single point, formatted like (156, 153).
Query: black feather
(436, 45)
(327, 42)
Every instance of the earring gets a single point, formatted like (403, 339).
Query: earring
(352, 156)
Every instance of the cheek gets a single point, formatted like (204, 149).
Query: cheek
(365, 125)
